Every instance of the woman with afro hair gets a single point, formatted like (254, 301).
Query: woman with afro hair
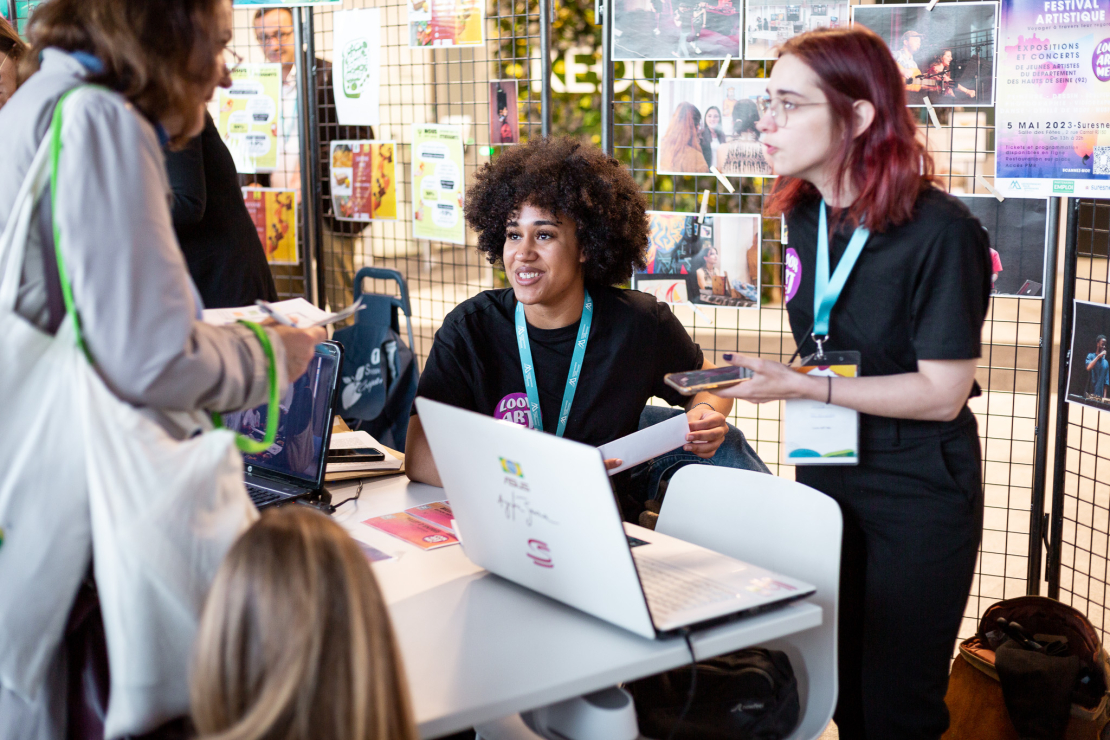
(568, 225)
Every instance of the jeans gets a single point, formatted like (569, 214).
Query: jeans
(734, 452)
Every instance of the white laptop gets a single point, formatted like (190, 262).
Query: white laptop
(538, 510)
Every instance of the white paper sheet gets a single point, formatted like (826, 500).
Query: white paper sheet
(350, 440)
(647, 443)
(296, 311)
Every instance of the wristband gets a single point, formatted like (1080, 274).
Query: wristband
(702, 403)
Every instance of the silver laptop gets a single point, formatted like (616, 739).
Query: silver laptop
(538, 510)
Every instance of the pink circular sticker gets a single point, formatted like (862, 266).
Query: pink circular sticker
(1100, 62)
(514, 408)
(793, 273)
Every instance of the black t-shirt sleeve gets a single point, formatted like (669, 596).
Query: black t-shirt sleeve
(675, 352)
(445, 378)
(951, 294)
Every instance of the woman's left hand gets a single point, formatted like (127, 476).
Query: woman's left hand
(707, 431)
(773, 381)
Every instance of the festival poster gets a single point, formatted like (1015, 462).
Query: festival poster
(274, 213)
(248, 116)
(1089, 371)
(772, 22)
(717, 259)
(364, 180)
(504, 116)
(945, 52)
(703, 124)
(358, 40)
(445, 23)
(437, 183)
(1052, 120)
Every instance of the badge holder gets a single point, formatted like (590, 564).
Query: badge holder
(817, 433)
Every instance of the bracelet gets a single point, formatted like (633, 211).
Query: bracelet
(828, 398)
(702, 403)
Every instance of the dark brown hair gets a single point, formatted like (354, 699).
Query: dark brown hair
(887, 163)
(295, 642)
(10, 44)
(564, 177)
(156, 53)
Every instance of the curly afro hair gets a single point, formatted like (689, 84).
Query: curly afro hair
(566, 178)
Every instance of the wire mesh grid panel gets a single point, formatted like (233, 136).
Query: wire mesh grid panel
(1086, 494)
(441, 86)
(17, 12)
(962, 146)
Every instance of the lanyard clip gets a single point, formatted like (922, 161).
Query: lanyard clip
(819, 341)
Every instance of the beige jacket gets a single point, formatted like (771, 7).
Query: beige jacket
(130, 283)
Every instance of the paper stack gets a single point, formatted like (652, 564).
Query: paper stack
(392, 463)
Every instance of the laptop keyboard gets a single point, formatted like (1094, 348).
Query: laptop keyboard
(670, 589)
(260, 496)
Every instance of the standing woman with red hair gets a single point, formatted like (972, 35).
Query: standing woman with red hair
(836, 130)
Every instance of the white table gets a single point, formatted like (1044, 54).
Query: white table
(477, 648)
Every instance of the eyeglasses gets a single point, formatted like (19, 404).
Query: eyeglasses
(232, 59)
(282, 37)
(779, 108)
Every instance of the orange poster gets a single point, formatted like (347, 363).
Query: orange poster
(275, 217)
(364, 180)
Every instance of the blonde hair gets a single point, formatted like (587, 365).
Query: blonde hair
(295, 642)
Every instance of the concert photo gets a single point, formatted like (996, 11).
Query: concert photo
(713, 262)
(946, 54)
(702, 124)
(771, 22)
(676, 29)
(1089, 372)
(1018, 230)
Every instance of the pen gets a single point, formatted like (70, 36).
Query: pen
(266, 309)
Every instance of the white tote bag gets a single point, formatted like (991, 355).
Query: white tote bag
(163, 514)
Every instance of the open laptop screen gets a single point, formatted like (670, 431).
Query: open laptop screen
(306, 409)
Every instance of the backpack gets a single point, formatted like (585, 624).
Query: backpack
(750, 694)
(379, 375)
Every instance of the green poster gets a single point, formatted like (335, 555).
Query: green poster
(437, 183)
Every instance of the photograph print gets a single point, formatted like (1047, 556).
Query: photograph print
(714, 262)
(1089, 371)
(1018, 231)
(771, 22)
(676, 29)
(703, 124)
(504, 117)
(947, 54)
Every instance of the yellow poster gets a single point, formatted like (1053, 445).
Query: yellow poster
(248, 120)
(364, 180)
(274, 213)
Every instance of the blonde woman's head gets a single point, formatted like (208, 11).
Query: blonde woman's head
(295, 642)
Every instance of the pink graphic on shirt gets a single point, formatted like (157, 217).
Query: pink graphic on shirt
(793, 273)
(514, 408)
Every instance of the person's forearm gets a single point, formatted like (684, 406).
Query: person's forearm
(723, 405)
(903, 396)
(420, 467)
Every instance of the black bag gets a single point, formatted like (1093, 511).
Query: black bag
(747, 695)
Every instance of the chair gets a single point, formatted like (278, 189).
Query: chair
(783, 526)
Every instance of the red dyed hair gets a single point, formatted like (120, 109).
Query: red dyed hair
(887, 163)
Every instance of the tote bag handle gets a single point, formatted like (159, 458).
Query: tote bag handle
(243, 442)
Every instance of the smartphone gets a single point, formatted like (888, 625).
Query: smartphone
(356, 455)
(696, 381)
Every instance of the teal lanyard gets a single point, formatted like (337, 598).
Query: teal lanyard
(826, 291)
(576, 359)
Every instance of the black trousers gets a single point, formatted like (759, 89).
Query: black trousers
(913, 518)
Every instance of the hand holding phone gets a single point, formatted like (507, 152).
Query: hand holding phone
(695, 381)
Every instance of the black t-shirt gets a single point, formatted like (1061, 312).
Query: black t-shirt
(634, 341)
(918, 292)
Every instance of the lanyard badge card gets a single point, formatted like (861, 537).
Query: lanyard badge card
(819, 433)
